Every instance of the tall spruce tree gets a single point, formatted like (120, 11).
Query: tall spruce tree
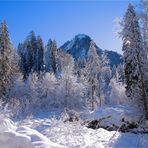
(39, 55)
(31, 55)
(6, 57)
(92, 72)
(53, 57)
(133, 57)
(47, 55)
(32, 50)
(144, 23)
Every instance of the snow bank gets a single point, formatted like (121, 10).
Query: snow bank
(37, 139)
(73, 135)
(22, 137)
(6, 124)
(52, 133)
(12, 139)
(116, 113)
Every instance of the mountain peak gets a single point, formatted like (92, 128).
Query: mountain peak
(81, 36)
(79, 46)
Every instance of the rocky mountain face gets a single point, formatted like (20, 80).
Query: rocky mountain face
(78, 47)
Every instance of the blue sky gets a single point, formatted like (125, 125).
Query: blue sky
(62, 20)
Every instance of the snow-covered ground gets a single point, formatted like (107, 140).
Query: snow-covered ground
(54, 133)
(115, 113)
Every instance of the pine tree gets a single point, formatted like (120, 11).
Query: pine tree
(120, 73)
(22, 59)
(144, 26)
(133, 57)
(65, 63)
(144, 23)
(47, 55)
(6, 57)
(92, 73)
(31, 55)
(39, 55)
(53, 57)
(32, 50)
(106, 76)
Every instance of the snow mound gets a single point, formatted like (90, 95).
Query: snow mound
(115, 114)
(6, 125)
(37, 139)
(53, 133)
(12, 139)
(12, 136)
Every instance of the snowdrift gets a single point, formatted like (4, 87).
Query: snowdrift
(22, 137)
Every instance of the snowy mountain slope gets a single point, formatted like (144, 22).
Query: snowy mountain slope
(78, 47)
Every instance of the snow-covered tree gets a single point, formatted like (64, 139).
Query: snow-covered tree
(80, 65)
(120, 73)
(106, 77)
(65, 63)
(31, 55)
(47, 55)
(32, 50)
(7, 66)
(51, 56)
(27, 52)
(144, 23)
(39, 55)
(133, 57)
(21, 62)
(92, 74)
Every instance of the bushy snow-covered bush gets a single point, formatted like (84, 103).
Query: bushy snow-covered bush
(71, 92)
(46, 93)
(117, 95)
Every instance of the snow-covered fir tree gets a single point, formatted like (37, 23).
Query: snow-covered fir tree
(92, 74)
(120, 73)
(144, 28)
(27, 52)
(7, 66)
(133, 53)
(22, 59)
(32, 50)
(65, 63)
(31, 55)
(51, 56)
(47, 55)
(144, 23)
(80, 65)
(39, 55)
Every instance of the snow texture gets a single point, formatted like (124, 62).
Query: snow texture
(53, 133)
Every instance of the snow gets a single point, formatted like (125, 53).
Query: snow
(11, 139)
(115, 113)
(37, 139)
(54, 133)
(6, 124)
(74, 135)
(22, 136)
(73, 41)
(81, 36)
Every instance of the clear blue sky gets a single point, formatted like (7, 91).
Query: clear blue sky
(62, 20)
